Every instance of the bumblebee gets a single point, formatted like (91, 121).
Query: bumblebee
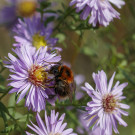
(64, 80)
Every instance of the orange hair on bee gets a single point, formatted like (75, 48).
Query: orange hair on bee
(66, 73)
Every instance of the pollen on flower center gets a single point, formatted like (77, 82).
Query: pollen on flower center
(39, 41)
(37, 75)
(26, 8)
(109, 103)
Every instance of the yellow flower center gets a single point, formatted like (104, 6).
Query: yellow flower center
(26, 8)
(37, 75)
(109, 103)
(39, 41)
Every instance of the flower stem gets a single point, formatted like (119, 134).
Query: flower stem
(5, 93)
(68, 12)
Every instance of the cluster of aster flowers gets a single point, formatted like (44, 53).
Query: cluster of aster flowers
(100, 11)
(30, 79)
(15, 8)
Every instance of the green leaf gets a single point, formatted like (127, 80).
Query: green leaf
(3, 107)
(25, 118)
(127, 76)
(49, 19)
(12, 101)
(3, 110)
(72, 117)
(63, 5)
(39, 10)
(88, 51)
(9, 129)
(45, 4)
(1, 61)
(123, 63)
(2, 79)
(60, 11)
(2, 89)
(3, 115)
(61, 37)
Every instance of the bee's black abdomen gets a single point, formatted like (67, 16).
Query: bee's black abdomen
(60, 92)
(61, 88)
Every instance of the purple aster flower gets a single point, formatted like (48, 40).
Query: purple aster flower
(83, 128)
(52, 126)
(105, 108)
(33, 32)
(8, 15)
(24, 8)
(100, 11)
(29, 75)
(97, 131)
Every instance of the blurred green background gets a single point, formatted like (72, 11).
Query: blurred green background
(111, 49)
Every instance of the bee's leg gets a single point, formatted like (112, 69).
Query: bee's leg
(51, 96)
(44, 87)
(49, 80)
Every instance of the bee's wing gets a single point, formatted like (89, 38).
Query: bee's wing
(69, 90)
(73, 86)
(70, 96)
